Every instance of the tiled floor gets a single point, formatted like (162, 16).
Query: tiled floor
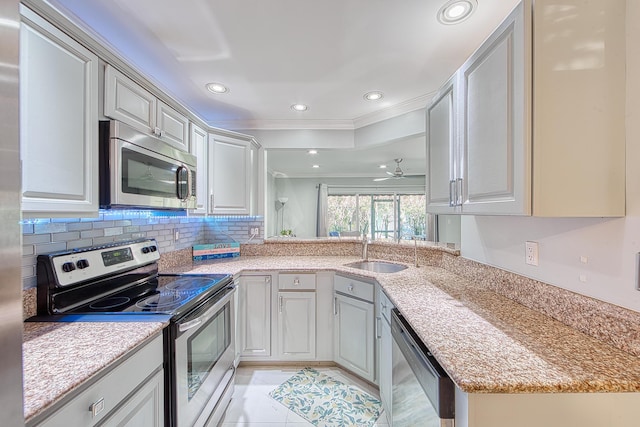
(251, 405)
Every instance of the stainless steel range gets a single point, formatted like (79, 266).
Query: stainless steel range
(120, 282)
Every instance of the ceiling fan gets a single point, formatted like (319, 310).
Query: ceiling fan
(396, 174)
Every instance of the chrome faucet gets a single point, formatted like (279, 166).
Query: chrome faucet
(365, 247)
(415, 250)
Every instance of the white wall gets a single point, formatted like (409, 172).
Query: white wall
(300, 210)
(610, 245)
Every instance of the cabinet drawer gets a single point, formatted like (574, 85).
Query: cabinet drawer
(109, 391)
(296, 281)
(356, 288)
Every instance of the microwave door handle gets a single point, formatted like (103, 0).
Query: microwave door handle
(182, 182)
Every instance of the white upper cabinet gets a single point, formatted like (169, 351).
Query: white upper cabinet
(228, 179)
(172, 126)
(441, 146)
(130, 103)
(199, 141)
(229, 175)
(495, 141)
(536, 126)
(58, 122)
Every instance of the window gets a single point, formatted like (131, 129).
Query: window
(379, 216)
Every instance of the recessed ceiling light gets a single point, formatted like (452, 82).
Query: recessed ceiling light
(299, 107)
(316, 166)
(456, 11)
(383, 166)
(312, 151)
(373, 96)
(217, 88)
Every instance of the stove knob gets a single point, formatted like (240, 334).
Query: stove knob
(68, 267)
(82, 263)
(153, 248)
(145, 250)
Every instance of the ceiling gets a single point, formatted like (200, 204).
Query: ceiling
(275, 53)
(350, 163)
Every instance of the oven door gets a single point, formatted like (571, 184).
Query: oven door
(204, 354)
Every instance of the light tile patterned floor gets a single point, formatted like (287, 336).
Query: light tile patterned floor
(251, 405)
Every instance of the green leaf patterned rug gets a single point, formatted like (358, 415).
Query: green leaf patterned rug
(327, 402)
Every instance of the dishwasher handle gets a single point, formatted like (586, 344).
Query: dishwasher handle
(433, 379)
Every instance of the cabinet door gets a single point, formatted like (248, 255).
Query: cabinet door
(386, 365)
(254, 316)
(172, 127)
(385, 347)
(120, 385)
(297, 325)
(58, 122)
(199, 149)
(353, 335)
(324, 315)
(230, 175)
(128, 102)
(144, 409)
(441, 150)
(257, 179)
(495, 154)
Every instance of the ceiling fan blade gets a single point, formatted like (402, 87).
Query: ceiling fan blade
(390, 173)
(382, 179)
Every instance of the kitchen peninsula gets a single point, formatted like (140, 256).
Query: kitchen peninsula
(497, 351)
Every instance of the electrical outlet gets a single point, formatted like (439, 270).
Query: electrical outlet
(254, 231)
(176, 234)
(531, 253)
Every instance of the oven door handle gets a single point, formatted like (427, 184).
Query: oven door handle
(190, 324)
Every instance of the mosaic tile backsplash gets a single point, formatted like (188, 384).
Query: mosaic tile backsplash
(172, 232)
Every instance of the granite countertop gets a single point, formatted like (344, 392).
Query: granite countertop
(486, 342)
(58, 357)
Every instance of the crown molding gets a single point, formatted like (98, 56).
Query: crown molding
(393, 111)
(285, 124)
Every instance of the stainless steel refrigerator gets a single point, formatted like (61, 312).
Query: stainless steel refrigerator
(10, 229)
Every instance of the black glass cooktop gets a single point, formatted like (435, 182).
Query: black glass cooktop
(163, 294)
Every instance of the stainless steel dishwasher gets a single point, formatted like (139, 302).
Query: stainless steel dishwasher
(422, 393)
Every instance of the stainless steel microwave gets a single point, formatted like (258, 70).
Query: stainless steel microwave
(138, 170)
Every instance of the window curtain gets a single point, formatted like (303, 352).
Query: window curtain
(321, 218)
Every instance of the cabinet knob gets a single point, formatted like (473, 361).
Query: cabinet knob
(96, 407)
(296, 282)
(350, 288)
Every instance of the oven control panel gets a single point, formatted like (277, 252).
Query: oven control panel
(85, 264)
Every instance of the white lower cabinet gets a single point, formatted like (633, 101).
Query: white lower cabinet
(144, 408)
(353, 334)
(297, 325)
(130, 394)
(385, 346)
(254, 316)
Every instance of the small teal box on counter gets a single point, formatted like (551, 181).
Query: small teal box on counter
(216, 250)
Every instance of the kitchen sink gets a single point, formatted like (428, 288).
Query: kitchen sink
(377, 266)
